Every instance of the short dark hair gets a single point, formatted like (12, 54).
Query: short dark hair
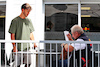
(49, 23)
(26, 6)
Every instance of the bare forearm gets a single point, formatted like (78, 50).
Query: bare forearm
(13, 38)
(31, 36)
(71, 48)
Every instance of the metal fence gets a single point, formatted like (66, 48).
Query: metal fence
(49, 55)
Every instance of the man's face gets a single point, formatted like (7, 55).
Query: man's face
(75, 35)
(26, 12)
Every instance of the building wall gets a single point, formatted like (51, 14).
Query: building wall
(13, 9)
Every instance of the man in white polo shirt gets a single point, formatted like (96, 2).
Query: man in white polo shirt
(78, 34)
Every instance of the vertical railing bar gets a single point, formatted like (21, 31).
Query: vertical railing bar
(0, 54)
(80, 54)
(16, 55)
(62, 56)
(27, 54)
(98, 55)
(74, 55)
(44, 56)
(5, 56)
(39, 56)
(68, 55)
(56, 56)
(33, 52)
(10, 58)
(92, 57)
(86, 56)
(22, 53)
(50, 55)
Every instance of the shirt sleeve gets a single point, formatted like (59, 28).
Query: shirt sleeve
(13, 26)
(77, 45)
(31, 27)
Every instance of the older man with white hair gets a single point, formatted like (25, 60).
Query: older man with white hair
(78, 34)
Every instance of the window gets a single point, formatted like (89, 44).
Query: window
(58, 18)
(2, 21)
(91, 17)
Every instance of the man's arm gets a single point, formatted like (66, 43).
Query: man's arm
(14, 45)
(32, 38)
(71, 48)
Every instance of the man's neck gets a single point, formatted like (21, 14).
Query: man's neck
(22, 16)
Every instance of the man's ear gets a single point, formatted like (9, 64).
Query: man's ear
(22, 9)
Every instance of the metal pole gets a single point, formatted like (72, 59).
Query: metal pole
(5, 57)
(50, 55)
(44, 55)
(39, 56)
(56, 57)
(79, 13)
(16, 55)
(86, 56)
(98, 55)
(22, 53)
(27, 54)
(68, 55)
(62, 56)
(74, 55)
(92, 57)
(0, 54)
(80, 54)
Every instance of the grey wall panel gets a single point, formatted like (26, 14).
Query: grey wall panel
(90, 0)
(61, 0)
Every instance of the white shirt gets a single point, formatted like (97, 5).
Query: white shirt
(77, 45)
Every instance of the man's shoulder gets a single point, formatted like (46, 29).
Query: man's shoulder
(28, 19)
(79, 39)
(15, 19)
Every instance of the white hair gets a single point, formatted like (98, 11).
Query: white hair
(77, 28)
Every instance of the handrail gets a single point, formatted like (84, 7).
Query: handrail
(17, 41)
(59, 41)
(49, 41)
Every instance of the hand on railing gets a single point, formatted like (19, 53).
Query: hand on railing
(15, 49)
(34, 46)
(62, 45)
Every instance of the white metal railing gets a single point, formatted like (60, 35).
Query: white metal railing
(51, 53)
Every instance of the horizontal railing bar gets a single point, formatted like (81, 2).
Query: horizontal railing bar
(39, 52)
(18, 41)
(49, 41)
(59, 41)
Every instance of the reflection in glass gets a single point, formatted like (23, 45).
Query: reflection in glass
(92, 23)
(60, 17)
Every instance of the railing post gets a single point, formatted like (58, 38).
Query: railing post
(62, 56)
(56, 57)
(74, 55)
(98, 55)
(92, 56)
(80, 54)
(86, 56)
(16, 55)
(44, 55)
(5, 57)
(22, 53)
(0, 54)
(39, 56)
(27, 54)
(50, 55)
(68, 55)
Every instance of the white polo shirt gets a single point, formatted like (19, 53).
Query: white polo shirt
(77, 45)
